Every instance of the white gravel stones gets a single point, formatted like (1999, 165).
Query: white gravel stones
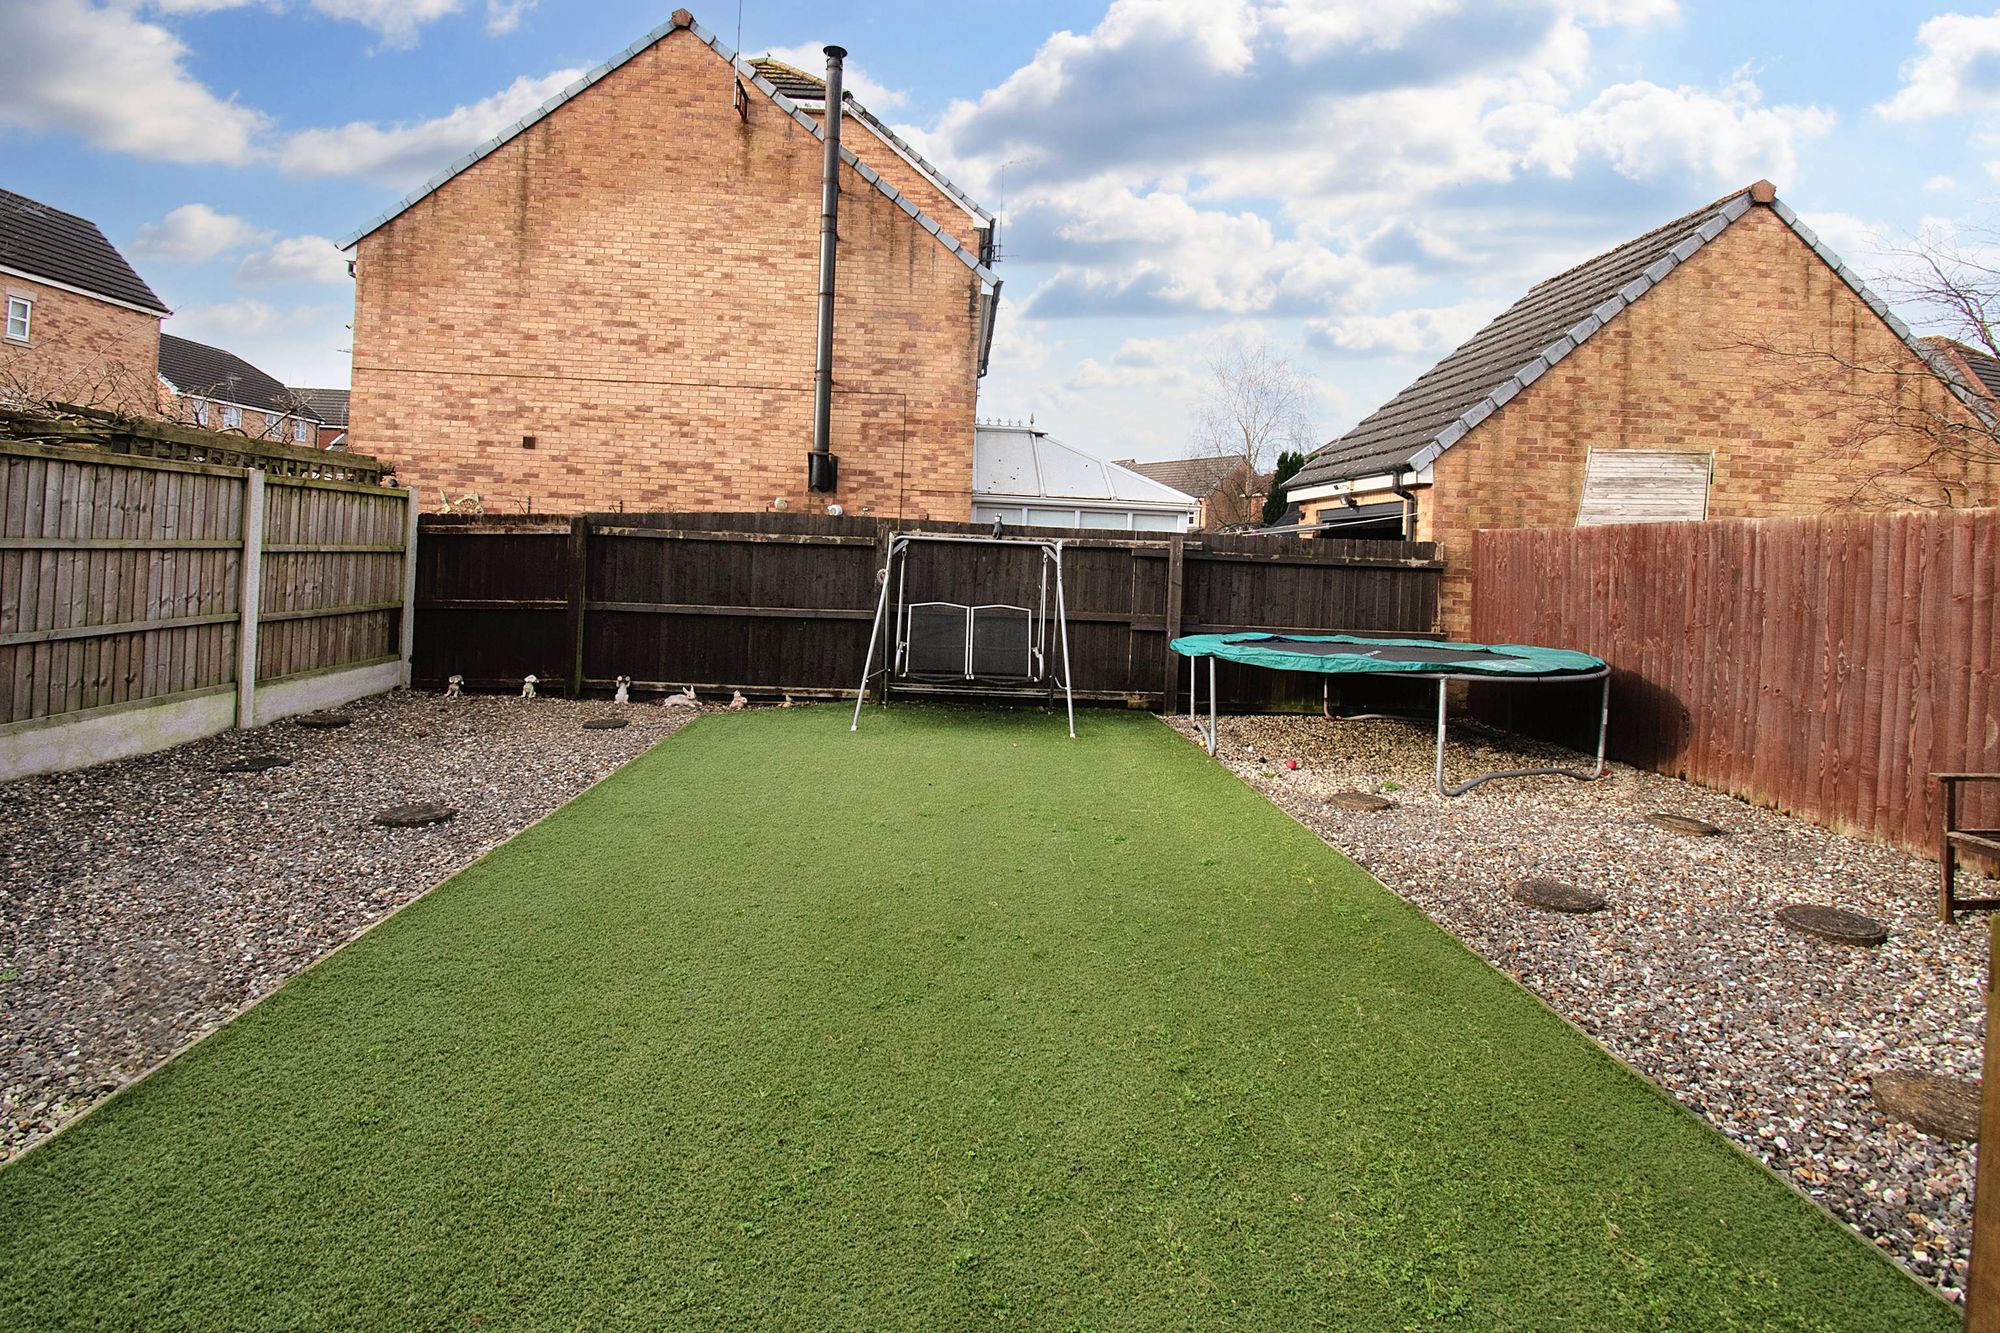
(143, 903)
(1688, 977)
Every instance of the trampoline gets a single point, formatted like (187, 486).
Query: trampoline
(1347, 654)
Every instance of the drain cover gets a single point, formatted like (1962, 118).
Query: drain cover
(1360, 800)
(606, 723)
(1833, 923)
(322, 721)
(415, 816)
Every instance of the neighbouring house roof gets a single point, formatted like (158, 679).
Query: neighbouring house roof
(329, 405)
(1199, 477)
(749, 74)
(68, 251)
(1026, 465)
(201, 371)
(1981, 368)
(1556, 316)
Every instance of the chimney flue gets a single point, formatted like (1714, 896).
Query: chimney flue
(822, 468)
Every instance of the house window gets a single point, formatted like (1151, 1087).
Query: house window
(232, 418)
(20, 314)
(299, 430)
(201, 411)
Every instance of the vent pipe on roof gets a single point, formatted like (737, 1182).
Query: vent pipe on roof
(822, 468)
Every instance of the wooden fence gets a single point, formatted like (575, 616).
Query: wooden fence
(778, 603)
(145, 601)
(1822, 666)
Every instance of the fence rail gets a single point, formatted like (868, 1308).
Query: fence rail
(1822, 666)
(780, 603)
(146, 600)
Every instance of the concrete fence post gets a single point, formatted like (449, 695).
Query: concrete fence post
(251, 597)
(408, 636)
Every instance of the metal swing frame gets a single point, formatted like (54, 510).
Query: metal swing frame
(1207, 729)
(1048, 621)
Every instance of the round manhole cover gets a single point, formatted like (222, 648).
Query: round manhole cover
(1684, 825)
(416, 815)
(1946, 1107)
(255, 764)
(1832, 923)
(1552, 895)
(606, 723)
(322, 721)
(1360, 800)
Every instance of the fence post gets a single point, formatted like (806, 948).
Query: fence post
(407, 636)
(579, 549)
(1982, 1284)
(1176, 575)
(251, 595)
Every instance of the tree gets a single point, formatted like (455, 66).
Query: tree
(1255, 405)
(1941, 426)
(1289, 463)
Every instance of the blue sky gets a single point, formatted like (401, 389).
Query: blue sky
(1356, 184)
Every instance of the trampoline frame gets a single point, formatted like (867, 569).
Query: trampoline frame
(1443, 679)
(1042, 617)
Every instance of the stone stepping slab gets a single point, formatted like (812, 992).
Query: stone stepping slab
(1836, 924)
(415, 815)
(1945, 1107)
(322, 721)
(255, 764)
(1360, 800)
(1551, 895)
(1683, 825)
(606, 723)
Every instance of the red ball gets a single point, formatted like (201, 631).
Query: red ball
(1291, 763)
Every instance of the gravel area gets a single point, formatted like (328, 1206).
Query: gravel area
(1769, 1035)
(143, 903)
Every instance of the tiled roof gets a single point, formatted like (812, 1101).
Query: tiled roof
(1983, 366)
(45, 242)
(201, 371)
(793, 82)
(1518, 347)
(1198, 477)
(329, 405)
(748, 73)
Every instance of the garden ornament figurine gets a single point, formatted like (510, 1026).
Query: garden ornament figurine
(736, 700)
(624, 695)
(453, 687)
(685, 699)
(528, 687)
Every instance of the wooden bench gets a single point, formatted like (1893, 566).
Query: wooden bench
(1980, 841)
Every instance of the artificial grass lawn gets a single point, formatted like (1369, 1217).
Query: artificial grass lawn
(953, 1023)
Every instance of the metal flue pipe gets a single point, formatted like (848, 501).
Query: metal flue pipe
(820, 470)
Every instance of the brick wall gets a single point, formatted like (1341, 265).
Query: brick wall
(631, 282)
(1689, 366)
(81, 350)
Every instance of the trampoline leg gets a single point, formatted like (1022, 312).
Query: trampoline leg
(1439, 769)
(1211, 707)
(1194, 695)
(1062, 625)
(1603, 725)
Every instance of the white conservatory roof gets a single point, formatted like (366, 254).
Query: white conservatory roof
(1022, 464)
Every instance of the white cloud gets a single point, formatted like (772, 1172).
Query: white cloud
(195, 234)
(408, 154)
(1431, 330)
(869, 91)
(503, 16)
(300, 344)
(1647, 132)
(1940, 183)
(294, 259)
(397, 22)
(116, 82)
(1958, 72)
(198, 6)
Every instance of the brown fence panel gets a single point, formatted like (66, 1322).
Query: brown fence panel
(772, 602)
(1822, 666)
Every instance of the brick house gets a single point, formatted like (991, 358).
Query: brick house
(1230, 491)
(81, 326)
(1683, 375)
(614, 303)
(330, 406)
(220, 391)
